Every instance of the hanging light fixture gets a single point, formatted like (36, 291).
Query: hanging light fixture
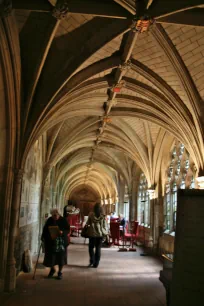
(142, 24)
(117, 87)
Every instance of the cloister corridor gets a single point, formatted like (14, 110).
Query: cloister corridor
(102, 105)
(122, 278)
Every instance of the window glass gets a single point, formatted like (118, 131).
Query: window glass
(178, 176)
(143, 202)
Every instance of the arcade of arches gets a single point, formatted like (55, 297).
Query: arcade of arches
(99, 102)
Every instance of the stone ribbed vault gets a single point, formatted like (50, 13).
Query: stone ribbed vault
(69, 66)
(106, 96)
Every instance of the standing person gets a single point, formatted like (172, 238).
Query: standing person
(122, 220)
(97, 230)
(55, 240)
(122, 225)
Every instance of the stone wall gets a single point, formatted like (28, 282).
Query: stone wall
(28, 237)
(4, 212)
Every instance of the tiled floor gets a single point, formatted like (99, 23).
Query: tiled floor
(123, 278)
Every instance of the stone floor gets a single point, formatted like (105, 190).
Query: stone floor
(123, 278)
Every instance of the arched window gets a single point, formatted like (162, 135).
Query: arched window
(179, 176)
(143, 202)
(167, 208)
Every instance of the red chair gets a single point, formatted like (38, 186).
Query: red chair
(72, 219)
(115, 232)
(114, 219)
(132, 236)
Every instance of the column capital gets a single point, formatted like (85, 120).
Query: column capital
(5, 8)
(61, 9)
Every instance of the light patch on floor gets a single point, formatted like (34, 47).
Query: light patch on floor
(122, 279)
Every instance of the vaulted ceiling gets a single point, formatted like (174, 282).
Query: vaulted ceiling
(106, 95)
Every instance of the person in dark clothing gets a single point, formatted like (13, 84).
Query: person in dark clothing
(122, 220)
(55, 241)
(122, 223)
(97, 230)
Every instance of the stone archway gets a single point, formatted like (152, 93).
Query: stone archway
(84, 198)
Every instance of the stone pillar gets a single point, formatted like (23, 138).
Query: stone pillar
(10, 282)
(43, 200)
(9, 95)
(121, 195)
(60, 200)
(158, 211)
(6, 187)
(42, 210)
(154, 220)
(133, 200)
(131, 208)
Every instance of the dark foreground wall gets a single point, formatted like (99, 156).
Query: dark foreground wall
(188, 269)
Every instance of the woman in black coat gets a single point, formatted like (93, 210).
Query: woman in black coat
(55, 242)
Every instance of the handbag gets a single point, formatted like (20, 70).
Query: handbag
(58, 245)
(84, 232)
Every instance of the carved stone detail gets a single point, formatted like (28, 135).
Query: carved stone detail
(61, 9)
(6, 8)
(141, 24)
(125, 66)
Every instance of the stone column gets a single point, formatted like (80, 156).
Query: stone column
(154, 220)
(135, 186)
(43, 199)
(42, 210)
(133, 200)
(10, 282)
(158, 210)
(8, 138)
(131, 208)
(121, 195)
